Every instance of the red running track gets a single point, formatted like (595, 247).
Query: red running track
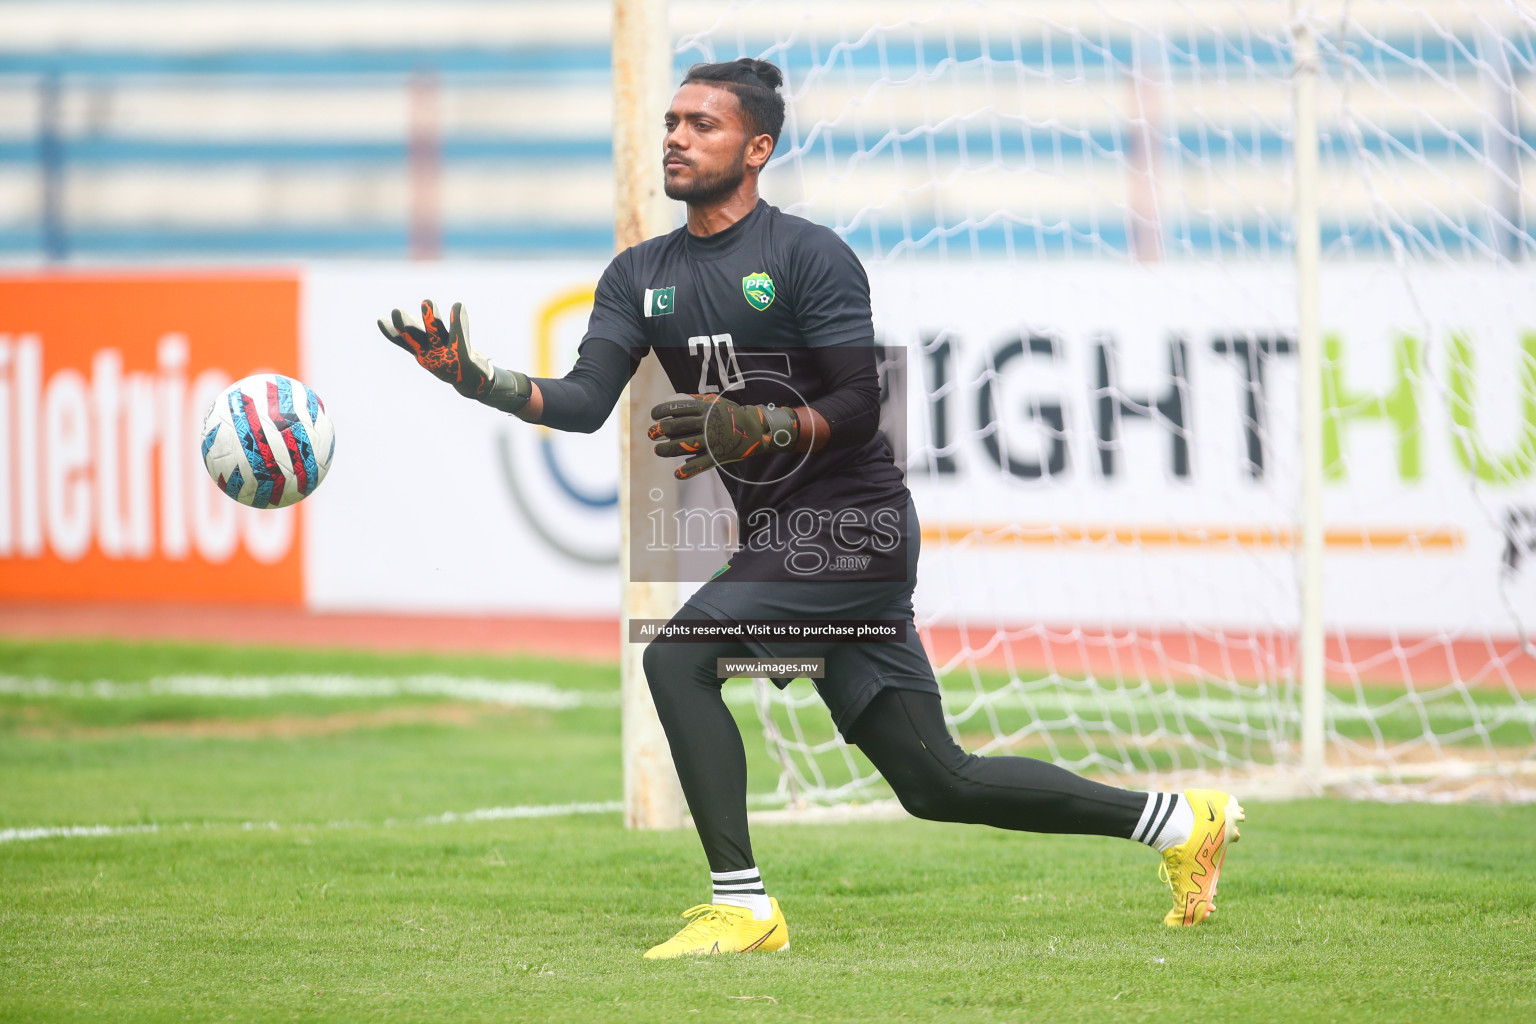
(1128, 654)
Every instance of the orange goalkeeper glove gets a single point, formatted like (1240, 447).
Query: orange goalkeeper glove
(445, 352)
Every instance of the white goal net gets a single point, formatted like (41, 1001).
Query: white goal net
(1079, 220)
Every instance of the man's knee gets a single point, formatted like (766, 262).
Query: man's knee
(651, 660)
(661, 665)
(672, 670)
(930, 799)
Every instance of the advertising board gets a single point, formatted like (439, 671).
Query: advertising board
(1116, 445)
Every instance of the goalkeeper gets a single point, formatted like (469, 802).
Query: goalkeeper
(762, 320)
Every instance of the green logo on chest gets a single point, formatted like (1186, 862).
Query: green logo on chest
(758, 288)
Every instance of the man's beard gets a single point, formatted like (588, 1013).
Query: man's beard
(703, 190)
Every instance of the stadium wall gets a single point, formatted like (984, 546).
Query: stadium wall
(1115, 444)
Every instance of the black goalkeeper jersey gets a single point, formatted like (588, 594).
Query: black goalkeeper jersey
(740, 313)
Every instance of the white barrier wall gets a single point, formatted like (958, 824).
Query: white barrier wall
(1089, 444)
(1127, 439)
(435, 503)
(1123, 439)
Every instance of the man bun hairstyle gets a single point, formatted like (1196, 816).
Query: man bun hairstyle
(755, 84)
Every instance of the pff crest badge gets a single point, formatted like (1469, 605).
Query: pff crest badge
(660, 301)
(758, 288)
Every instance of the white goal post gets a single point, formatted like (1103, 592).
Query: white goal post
(1220, 324)
(642, 71)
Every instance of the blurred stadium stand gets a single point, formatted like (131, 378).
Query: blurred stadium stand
(167, 131)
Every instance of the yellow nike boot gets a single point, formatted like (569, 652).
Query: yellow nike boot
(1192, 868)
(716, 928)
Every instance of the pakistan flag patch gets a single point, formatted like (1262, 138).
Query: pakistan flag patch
(758, 288)
(660, 301)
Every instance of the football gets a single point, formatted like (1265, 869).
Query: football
(267, 441)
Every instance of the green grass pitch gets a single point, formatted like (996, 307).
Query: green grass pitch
(301, 870)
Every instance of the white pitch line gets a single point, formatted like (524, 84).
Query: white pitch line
(549, 697)
(510, 693)
(516, 813)
(22, 835)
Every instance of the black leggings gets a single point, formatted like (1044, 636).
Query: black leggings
(904, 735)
(902, 732)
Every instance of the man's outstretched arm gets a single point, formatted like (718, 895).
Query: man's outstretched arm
(583, 398)
(580, 401)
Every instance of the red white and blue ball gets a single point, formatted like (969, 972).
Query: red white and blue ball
(267, 441)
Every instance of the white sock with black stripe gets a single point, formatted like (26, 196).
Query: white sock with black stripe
(1166, 821)
(742, 889)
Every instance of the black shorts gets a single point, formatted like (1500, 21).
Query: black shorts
(855, 672)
